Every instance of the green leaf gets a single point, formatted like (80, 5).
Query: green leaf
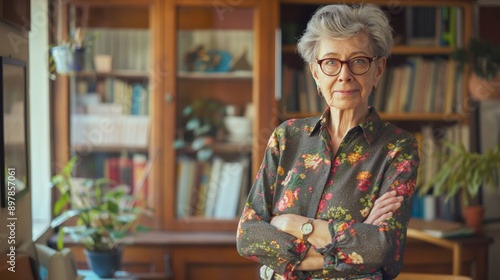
(60, 239)
(113, 207)
(61, 203)
(188, 110)
(57, 221)
(193, 124)
(204, 154)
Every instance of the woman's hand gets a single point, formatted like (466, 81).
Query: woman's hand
(288, 223)
(384, 207)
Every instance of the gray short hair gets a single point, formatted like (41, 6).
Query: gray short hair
(339, 21)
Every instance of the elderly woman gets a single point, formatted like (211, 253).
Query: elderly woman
(332, 198)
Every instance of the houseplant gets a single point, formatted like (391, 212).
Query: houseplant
(484, 59)
(106, 219)
(70, 55)
(203, 122)
(462, 173)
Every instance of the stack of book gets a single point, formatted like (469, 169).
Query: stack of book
(216, 189)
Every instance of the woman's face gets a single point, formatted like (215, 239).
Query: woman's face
(347, 91)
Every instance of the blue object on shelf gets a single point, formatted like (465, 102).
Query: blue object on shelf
(214, 61)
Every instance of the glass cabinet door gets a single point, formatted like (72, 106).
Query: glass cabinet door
(110, 95)
(214, 111)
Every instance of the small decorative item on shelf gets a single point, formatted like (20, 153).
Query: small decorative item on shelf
(462, 173)
(203, 124)
(239, 129)
(69, 56)
(103, 63)
(484, 58)
(106, 218)
(202, 60)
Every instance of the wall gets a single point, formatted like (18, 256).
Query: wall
(15, 44)
(40, 116)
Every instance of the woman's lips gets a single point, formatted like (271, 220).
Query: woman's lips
(346, 92)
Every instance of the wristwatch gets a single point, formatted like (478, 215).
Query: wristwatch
(306, 229)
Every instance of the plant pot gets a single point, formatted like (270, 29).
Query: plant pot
(481, 89)
(67, 60)
(474, 216)
(104, 264)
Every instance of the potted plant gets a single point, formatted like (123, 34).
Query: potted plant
(484, 60)
(462, 173)
(203, 122)
(106, 219)
(69, 55)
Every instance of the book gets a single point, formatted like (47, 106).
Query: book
(213, 186)
(226, 206)
(441, 228)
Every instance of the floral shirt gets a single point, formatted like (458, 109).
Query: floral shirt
(301, 175)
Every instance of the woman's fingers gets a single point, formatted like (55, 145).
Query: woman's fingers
(383, 207)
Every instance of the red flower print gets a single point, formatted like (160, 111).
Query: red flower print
(363, 184)
(322, 203)
(404, 166)
(406, 188)
(300, 247)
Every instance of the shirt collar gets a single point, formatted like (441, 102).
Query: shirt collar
(370, 126)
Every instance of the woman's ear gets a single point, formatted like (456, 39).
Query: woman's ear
(381, 63)
(314, 72)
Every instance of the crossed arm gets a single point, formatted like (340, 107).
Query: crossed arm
(383, 209)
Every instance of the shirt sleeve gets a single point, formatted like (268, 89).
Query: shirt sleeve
(358, 248)
(257, 239)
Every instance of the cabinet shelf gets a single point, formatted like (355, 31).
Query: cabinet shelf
(120, 74)
(108, 149)
(225, 148)
(245, 75)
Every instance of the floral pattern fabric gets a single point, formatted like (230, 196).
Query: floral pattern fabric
(301, 175)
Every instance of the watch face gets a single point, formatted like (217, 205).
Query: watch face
(307, 228)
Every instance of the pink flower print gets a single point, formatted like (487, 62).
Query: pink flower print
(287, 178)
(404, 166)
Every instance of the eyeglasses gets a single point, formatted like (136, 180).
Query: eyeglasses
(358, 65)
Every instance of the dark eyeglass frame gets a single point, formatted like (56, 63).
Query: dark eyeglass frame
(370, 59)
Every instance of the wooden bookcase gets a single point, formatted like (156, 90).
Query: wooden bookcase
(172, 88)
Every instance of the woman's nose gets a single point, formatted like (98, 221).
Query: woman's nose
(345, 73)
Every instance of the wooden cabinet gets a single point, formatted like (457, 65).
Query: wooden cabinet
(217, 101)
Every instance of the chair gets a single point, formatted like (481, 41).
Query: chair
(423, 276)
(59, 264)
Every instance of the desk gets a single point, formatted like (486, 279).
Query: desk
(458, 256)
